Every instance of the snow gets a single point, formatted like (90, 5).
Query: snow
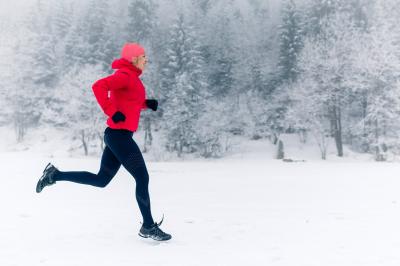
(246, 209)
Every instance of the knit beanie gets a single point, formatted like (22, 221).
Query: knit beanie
(131, 50)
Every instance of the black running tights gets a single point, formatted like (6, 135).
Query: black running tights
(120, 149)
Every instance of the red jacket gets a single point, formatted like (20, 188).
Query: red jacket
(127, 94)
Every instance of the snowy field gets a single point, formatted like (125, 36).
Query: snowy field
(225, 212)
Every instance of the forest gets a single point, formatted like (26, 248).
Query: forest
(321, 70)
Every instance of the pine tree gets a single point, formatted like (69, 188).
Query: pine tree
(321, 10)
(290, 42)
(90, 41)
(52, 59)
(290, 45)
(219, 55)
(9, 74)
(184, 82)
(141, 23)
(142, 28)
(377, 79)
(34, 58)
(62, 16)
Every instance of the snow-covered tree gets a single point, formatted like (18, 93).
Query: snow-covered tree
(272, 118)
(141, 20)
(327, 63)
(62, 22)
(377, 62)
(239, 68)
(320, 10)
(142, 28)
(219, 53)
(290, 42)
(309, 110)
(33, 57)
(90, 41)
(185, 88)
(80, 112)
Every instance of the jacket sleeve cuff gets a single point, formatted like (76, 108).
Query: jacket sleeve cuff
(144, 105)
(110, 110)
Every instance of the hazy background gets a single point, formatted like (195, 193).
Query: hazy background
(324, 74)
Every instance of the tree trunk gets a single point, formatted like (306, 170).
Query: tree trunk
(377, 151)
(376, 132)
(365, 143)
(84, 143)
(323, 152)
(148, 136)
(336, 124)
(180, 148)
(19, 126)
(100, 135)
(275, 138)
(280, 152)
(322, 144)
(303, 136)
(339, 141)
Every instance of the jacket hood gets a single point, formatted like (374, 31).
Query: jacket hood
(123, 63)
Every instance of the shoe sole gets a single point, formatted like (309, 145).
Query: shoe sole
(146, 236)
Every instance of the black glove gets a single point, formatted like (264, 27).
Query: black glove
(118, 117)
(152, 104)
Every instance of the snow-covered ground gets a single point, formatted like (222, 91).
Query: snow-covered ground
(245, 209)
(226, 212)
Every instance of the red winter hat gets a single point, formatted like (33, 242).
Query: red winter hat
(131, 50)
